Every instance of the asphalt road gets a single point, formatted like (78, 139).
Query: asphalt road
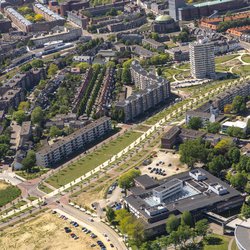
(97, 227)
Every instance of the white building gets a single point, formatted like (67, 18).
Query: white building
(238, 124)
(217, 188)
(167, 189)
(74, 142)
(202, 59)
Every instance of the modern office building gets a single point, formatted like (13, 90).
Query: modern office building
(174, 6)
(74, 142)
(202, 59)
(196, 191)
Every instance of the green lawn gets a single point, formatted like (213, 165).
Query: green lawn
(217, 242)
(222, 68)
(30, 176)
(183, 66)
(246, 58)
(45, 189)
(92, 160)
(242, 70)
(17, 205)
(234, 246)
(8, 193)
(222, 59)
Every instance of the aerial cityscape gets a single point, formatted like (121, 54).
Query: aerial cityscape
(125, 125)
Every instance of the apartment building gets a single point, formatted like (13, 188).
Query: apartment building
(202, 59)
(18, 20)
(74, 142)
(78, 18)
(64, 7)
(227, 97)
(140, 102)
(10, 98)
(57, 34)
(143, 79)
(48, 14)
(154, 44)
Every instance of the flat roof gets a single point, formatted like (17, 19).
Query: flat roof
(212, 3)
(146, 181)
(74, 135)
(191, 203)
(242, 235)
(238, 124)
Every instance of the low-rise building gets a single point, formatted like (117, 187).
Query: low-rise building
(237, 124)
(78, 140)
(196, 191)
(154, 44)
(57, 34)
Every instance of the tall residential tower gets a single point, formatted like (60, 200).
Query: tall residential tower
(202, 59)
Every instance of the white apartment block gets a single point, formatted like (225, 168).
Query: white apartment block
(73, 142)
(202, 59)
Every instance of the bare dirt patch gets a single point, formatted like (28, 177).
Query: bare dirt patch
(44, 232)
(3, 185)
(170, 162)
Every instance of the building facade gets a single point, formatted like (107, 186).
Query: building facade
(70, 144)
(202, 59)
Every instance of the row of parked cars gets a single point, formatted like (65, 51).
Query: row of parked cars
(85, 230)
(158, 171)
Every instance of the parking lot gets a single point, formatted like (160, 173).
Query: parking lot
(164, 164)
(46, 231)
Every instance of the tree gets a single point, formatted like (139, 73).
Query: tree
(37, 63)
(186, 219)
(236, 132)
(238, 180)
(201, 228)
(224, 145)
(239, 104)
(126, 180)
(23, 106)
(38, 17)
(110, 213)
(3, 150)
(159, 71)
(126, 75)
(37, 115)
(195, 123)
(83, 66)
(25, 68)
(213, 127)
(234, 155)
(19, 116)
(172, 223)
(193, 151)
(245, 210)
(228, 108)
(54, 132)
(30, 43)
(217, 164)
(52, 69)
(29, 161)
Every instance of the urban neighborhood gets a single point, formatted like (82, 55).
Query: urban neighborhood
(125, 124)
